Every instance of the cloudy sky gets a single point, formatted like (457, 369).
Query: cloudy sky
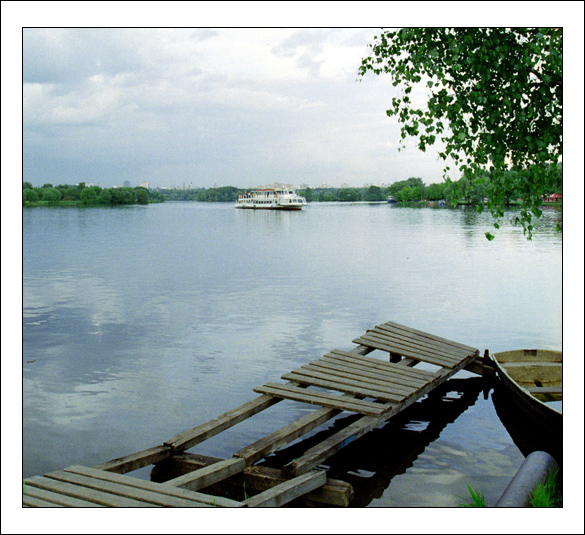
(203, 106)
(111, 93)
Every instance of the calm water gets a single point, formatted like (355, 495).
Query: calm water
(142, 322)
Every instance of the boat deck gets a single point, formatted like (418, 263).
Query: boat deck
(339, 381)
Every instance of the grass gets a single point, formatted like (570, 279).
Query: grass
(546, 493)
(477, 499)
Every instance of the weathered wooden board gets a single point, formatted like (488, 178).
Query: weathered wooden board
(429, 336)
(288, 491)
(253, 479)
(434, 345)
(263, 447)
(379, 343)
(191, 498)
(400, 369)
(149, 497)
(364, 373)
(544, 389)
(55, 499)
(344, 385)
(209, 475)
(137, 460)
(331, 445)
(370, 379)
(31, 501)
(404, 345)
(324, 399)
(188, 439)
(360, 373)
(84, 493)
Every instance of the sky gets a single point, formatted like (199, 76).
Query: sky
(202, 107)
(210, 106)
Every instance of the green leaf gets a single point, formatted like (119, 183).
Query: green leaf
(489, 236)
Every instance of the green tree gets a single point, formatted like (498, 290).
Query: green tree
(89, 196)
(349, 195)
(105, 196)
(27, 185)
(51, 195)
(435, 192)
(494, 101)
(125, 195)
(141, 195)
(307, 193)
(374, 193)
(326, 196)
(409, 193)
(409, 182)
(29, 195)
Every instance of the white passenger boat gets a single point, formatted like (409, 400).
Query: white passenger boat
(271, 199)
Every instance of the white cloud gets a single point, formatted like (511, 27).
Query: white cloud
(157, 102)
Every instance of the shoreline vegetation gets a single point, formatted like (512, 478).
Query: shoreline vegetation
(409, 192)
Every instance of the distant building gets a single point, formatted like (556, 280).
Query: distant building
(145, 185)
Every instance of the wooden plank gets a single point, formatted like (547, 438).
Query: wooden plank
(254, 479)
(367, 372)
(84, 493)
(399, 369)
(429, 336)
(149, 497)
(347, 386)
(263, 447)
(137, 460)
(31, 501)
(415, 342)
(535, 364)
(57, 499)
(288, 491)
(426, 342)
(331, 445)
(367, 376)
(544, 389)
(182, 497)
(378, 343)
(320, 398)
(408, 350)
(209, 475)
(188, 439)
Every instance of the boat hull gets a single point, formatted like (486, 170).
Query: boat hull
(528, 379)
(285, 208)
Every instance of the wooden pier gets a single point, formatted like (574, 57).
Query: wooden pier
(353, 381)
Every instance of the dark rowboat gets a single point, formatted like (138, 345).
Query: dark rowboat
(531, 379)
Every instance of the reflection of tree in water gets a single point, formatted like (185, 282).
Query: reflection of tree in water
(371, 462)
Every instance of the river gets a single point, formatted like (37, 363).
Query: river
(141, 322)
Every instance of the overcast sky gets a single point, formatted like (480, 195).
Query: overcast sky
(204, 106)
(108, 98)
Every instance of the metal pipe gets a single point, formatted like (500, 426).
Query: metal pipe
(532, 471)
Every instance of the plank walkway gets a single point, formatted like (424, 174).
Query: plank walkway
(339, 381)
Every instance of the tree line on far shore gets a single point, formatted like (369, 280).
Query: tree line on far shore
(80, 194)
(468, 190)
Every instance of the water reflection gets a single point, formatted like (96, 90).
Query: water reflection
(370, 463)
(141, 323)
